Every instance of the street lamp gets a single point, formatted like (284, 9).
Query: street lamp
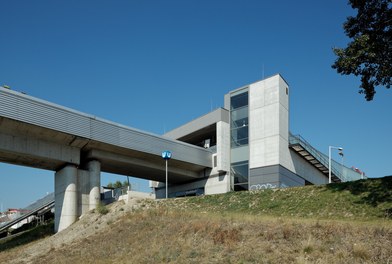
(343, 175)
(329, 159)
(166, 155)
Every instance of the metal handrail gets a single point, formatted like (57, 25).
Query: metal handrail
(322, 158)
(24, 216)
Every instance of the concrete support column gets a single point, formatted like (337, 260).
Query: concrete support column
(94, 168)
(66, 207)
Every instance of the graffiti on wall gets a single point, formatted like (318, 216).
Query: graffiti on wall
(263, 186)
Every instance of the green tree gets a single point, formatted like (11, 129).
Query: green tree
(117, 184)
(369, 54)
(125, 183)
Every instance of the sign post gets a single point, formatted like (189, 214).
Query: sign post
(166, 155)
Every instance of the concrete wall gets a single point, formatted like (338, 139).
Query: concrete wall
(217, 184)
(307, 171)
(268, 121)
(222, 147)
(275, 176)
(271, 161)
(134, 194)
(199, 123)
(264, 177)
(289, 179)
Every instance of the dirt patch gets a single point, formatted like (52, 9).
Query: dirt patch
(88, 225)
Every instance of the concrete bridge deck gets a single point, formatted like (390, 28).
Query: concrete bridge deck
(78, 146)
(40, 134)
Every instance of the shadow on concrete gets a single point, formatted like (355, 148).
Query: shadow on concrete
(372, 191)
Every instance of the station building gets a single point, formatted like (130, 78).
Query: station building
(252, 146)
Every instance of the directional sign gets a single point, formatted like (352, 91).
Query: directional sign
(166, 155)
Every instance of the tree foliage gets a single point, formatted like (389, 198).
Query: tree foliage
(118, 184)
(369, 54)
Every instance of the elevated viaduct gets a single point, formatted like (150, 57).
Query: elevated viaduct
(78, 146)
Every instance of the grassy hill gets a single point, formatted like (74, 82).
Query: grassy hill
(360, 200)
(336, 223)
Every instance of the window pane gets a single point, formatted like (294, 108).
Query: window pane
(240, 172)
(239, 123)
(239, 136)
(239, 100)
(239, 113)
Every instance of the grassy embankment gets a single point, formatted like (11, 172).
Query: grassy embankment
(360, 200)
(336, 223)
(28, 236)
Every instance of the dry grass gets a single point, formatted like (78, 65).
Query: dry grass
(334, 224)
(168, 236)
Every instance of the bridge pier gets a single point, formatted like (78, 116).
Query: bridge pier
(94, 168)
(66, 197)
(76, 192)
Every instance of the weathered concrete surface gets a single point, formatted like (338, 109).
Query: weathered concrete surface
(38, 153)
(66, 197)
(94, 169)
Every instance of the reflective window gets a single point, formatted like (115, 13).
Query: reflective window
(238, 116)
(240, 171)
(239, 130)
(240, 122)
(239, 100)
(239, 137)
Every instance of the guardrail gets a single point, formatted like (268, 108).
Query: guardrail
(5, 227)
(337, 169)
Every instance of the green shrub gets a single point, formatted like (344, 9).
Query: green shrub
(102, 209)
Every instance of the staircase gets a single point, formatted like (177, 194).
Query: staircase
(38, 209)
(315, 157)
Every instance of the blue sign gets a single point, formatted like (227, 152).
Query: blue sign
(166, 155)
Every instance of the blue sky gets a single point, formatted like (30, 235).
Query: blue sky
(155, 65)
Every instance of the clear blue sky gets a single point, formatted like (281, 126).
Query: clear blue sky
(126, 61)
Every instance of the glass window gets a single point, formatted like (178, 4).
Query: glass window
(239, 137)
(239, 116)
(239, 171)
(240, 123)
(239, 100)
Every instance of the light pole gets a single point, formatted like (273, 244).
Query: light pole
(166, 155)
(329, 160)
(342, 155)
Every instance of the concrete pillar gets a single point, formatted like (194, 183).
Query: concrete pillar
(94, 168)
(66, 211)
(83, 191)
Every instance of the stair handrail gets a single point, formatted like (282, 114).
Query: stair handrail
(315, 153)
